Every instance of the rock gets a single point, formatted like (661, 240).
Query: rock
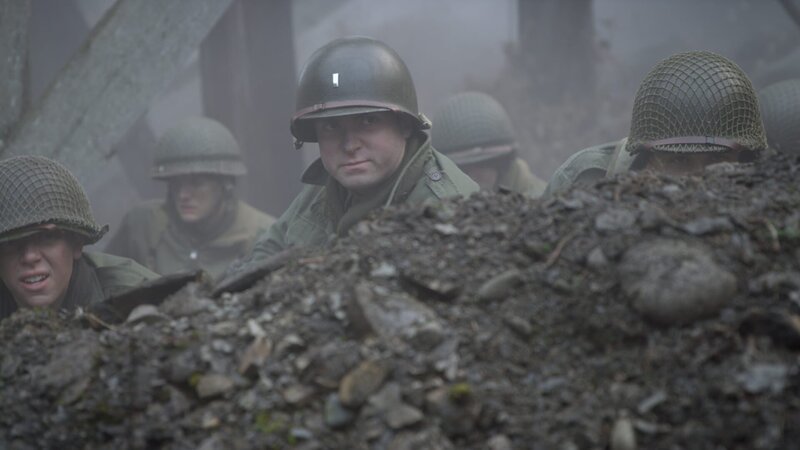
(361, 382)
(70, 366)
(291, 343)
(396, 413)
(499, 286)
(298, 394)
(708, 225)
(440, 289)
(673, 282)
(761, 378)
(623, 436)
(402, 415)
(255, 355)
(337, 415)
(425, 337)
(384, 270)
(388, 316)
(457, 411)
(651, 402)
(615, 219)
(213, 385)
(430, 439)
(446, 229)
(499, 442)
(519, 325)
(184, 304)
(331, 362)
(596, 259)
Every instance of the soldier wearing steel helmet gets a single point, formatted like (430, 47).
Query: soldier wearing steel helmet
(474, 130)
(692, 110)
(201, 224)
(780, 110)
(45, 220)
(357, 100)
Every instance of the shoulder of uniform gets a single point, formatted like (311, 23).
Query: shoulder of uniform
(446, 179)
(117, 270)
(254, 214)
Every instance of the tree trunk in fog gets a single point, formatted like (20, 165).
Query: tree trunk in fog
(128, 59)
(557, 48)
(14, 18)
(248, 71)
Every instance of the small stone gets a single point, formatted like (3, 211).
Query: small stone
(213, 385)
(389, 315)
(222, 346)
(360, 383)
(227, 328)
(402, 415)
(384, 270)
(708, 225)
(519, 324)
(615, 220)
(292, 343)
(337, 415)
(674, 282)
(446, 229)
(651, 402)
(457, 418)
(499, 442)
(623, 436)
(186, 304)
(298, 394)
(209, 421)
(596, 259)
(499, 286)
(255, 355)
(426, 337)
(301, 434)
(255, 329)
(762, 378)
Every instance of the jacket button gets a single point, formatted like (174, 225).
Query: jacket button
(193, 255)
(435, 175)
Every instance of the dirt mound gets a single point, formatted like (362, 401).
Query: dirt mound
(644, 312)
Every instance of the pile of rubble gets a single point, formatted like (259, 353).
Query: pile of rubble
(643, 312)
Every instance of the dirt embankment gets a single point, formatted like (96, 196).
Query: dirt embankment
(645, 312)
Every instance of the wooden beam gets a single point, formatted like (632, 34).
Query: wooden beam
(14, 17)
(129, 58)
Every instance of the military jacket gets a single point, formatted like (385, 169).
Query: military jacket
(590, 164)
(323, 210)
(95, 277)
(519, 178)
(151, 235)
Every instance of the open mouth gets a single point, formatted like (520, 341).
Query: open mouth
(34, 281)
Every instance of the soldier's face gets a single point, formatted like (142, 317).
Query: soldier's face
(686, 163)
(196, 197)
(363, 150)
(37, 269)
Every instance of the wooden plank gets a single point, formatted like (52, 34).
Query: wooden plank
(129, 58)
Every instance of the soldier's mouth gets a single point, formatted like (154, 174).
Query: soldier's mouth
(34, 280)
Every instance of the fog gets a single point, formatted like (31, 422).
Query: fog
(449, 46)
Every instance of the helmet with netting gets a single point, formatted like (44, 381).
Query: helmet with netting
(473, 127)
(696, 102)
(35, 190)
(197, 146)
(353, 75)
(780, 109)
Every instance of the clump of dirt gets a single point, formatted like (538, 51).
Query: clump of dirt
(494, 322)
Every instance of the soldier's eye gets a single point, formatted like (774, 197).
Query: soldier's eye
(369, 119)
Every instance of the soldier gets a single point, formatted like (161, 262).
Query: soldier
(45, 221)
(201, 224)
(780, 109)
(357, 100)
(474, 130)
(692, 110)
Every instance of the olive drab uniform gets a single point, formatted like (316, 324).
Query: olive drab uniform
(324, 210)
(95, 277)
(705, 104)
(150, 235)
(780, 110)
(34, 191)
(474, 130)
(154, 234)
